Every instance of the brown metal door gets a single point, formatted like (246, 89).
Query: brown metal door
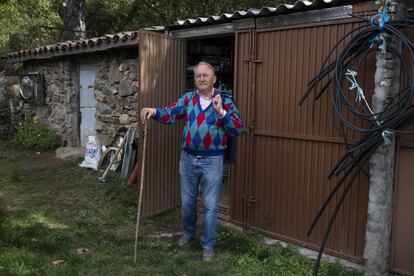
(161, 81)
(288, 159)
(402, 238)
(242, 93)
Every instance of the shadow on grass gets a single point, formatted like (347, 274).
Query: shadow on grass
(28, 244)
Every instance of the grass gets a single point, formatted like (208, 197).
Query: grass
(58, 220)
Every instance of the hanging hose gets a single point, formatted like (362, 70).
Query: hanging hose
(376, 127)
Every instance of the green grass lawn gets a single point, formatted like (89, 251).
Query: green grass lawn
(57, 219)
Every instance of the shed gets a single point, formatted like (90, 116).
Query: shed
(265, 57)
(82, 87)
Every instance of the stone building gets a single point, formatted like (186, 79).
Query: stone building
(83, 88)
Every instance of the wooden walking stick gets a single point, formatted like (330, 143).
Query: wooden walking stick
(141, 188)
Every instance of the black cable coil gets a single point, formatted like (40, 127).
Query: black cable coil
(372, 127)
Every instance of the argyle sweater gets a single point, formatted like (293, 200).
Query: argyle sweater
(204, 134)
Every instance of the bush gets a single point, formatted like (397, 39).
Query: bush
(36, 136)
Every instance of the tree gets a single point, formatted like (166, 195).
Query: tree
(72, 15)
(107, 16)
(21, 24)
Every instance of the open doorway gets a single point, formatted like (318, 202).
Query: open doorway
(219, 52)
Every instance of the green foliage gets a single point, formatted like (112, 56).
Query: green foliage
(20, 22)
(36, 136)
(106, 16)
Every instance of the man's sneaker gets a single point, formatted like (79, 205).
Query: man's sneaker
(185, 238)
(208, 255)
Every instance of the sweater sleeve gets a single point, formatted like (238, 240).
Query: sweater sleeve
(173, 112)
(231, 121)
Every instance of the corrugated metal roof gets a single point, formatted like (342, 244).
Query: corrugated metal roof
(75, 47)
(301, 5)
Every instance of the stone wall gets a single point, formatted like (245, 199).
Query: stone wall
(8, 94)
(60, 108)
(116, 92)
(115, 89)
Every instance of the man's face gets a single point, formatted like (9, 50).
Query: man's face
(204, 78)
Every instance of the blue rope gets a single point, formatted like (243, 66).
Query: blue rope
(382, 17)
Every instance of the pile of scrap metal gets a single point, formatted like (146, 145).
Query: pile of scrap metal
(120, 154)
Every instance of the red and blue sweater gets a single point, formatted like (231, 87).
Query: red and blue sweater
(205, 134)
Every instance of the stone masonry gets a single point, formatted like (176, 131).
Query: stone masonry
(9, 91)
(115, 89)
(116, 92)
(59, 110)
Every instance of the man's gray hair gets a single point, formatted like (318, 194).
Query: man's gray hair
(206, 64)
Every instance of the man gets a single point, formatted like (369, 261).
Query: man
(210, 117)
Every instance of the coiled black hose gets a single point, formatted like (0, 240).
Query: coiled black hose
(397, 114)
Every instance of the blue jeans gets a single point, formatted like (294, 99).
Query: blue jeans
(205, 172)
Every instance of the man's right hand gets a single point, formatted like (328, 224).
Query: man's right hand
(147, 113)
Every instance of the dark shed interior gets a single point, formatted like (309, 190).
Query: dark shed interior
(219, 52)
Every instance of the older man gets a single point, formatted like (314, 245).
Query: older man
(210, 117)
